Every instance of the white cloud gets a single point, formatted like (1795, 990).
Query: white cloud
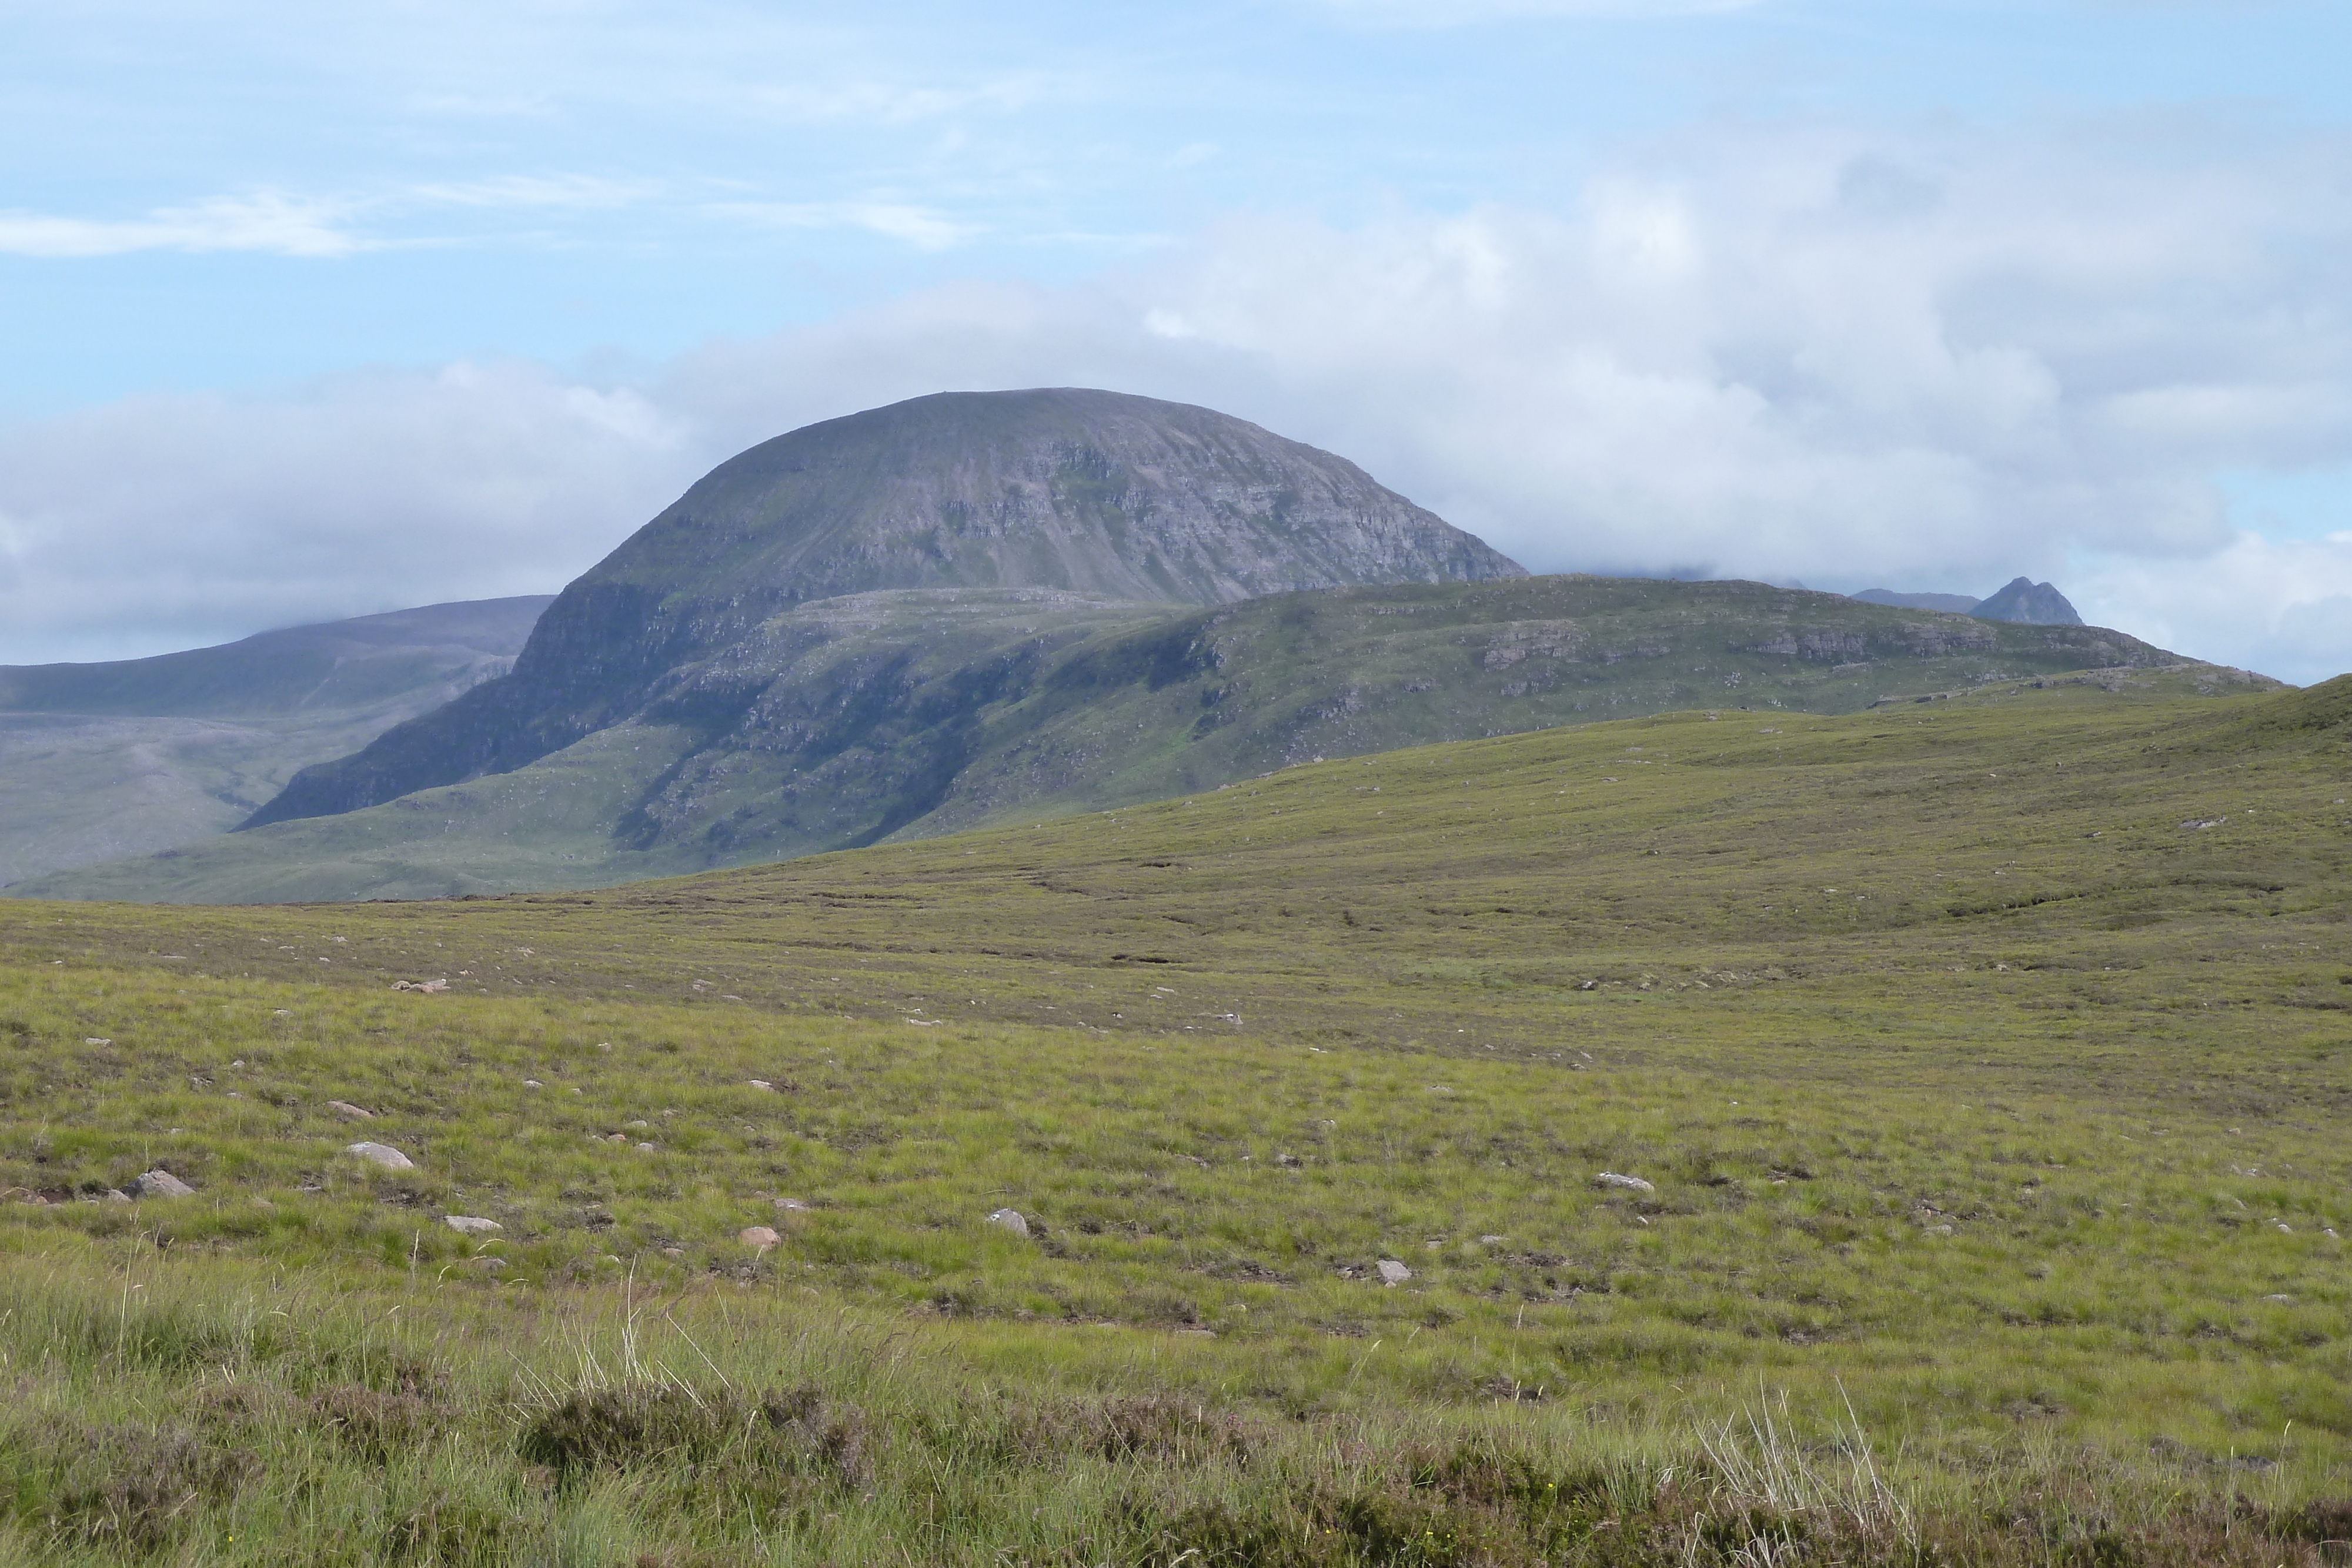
(163, 522)
(1920, 360)
(917, 226)
(266, 221)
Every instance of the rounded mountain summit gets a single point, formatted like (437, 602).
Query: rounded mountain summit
(1091, 492)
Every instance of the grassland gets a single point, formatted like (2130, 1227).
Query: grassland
(1993, 1112)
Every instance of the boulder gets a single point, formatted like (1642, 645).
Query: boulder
(759, 1235)
(383, 1154)
(1009, 1219)
(470, 1224)
(1393, 1272)
(157, 1183)
(1629, 1183)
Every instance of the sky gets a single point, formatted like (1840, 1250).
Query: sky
(311, 311)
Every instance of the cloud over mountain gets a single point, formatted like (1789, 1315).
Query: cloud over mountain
(1932, 358)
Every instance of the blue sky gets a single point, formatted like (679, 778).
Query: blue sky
(311, 313)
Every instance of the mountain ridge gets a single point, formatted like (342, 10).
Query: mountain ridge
(1069, 490)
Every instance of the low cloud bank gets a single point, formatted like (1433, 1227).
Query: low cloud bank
(1930, 360)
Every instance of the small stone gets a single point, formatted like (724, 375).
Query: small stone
(645, 1149)
(1629, 1183)
(348, 1112)
(761, 1084)
(532, 1083)
(1393, 1272)
(487, 1262)
(673, 1251)
(617, 1137)
(470, 1224)
(1009, 1219)
(112, 1196)
(640, 1121)
(1492, 1241)
(1939, 1230)
(383, 1154)
(2278, 1298)
(94, 1040)
(791, 1206)
(157, 1183)
(759, 1235)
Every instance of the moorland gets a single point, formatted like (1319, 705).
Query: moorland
(1977, 1067)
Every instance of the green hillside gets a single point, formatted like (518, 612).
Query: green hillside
(103, 761)
(900, 715)
(1986, 1060)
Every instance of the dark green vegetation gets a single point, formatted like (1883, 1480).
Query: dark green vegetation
(874, 717)
(1092, 493)
(102, 760)
(1988, 1057)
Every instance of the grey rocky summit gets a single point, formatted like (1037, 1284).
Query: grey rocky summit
(2028, 603)
(1093, 492)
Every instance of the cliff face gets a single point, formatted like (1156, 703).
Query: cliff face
(1099, 494)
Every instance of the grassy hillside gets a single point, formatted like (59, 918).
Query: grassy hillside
(1987, 1060)
(103, 761)
(904, 715)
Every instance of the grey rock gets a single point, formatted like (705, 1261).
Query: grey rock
(759, 1235)
(470, 1224)
(1009, 1219)
(348, 1112)
(157, 1183)
(1628, 1183)
(383, 1154)
(112, 1196)
(2029, 602)
(1393, 1272)
(791, 1206)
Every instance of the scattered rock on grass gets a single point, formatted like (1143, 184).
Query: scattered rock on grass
(1629, 1183)
(383, 1154)
(645, 1149)
(759, 1235)
(348, 1112)
(1393, 1272)
(470, 1224)
(1009, 1219)
(791, 1206)
(761, 1083)
(157, 1183)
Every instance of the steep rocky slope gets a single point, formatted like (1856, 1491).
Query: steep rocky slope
(1093, 492)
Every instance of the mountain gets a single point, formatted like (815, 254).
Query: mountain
(903, 715)
(2028, 603)
(102, 760)
(2024, 600)
(1955, 603)
(1107, 496)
